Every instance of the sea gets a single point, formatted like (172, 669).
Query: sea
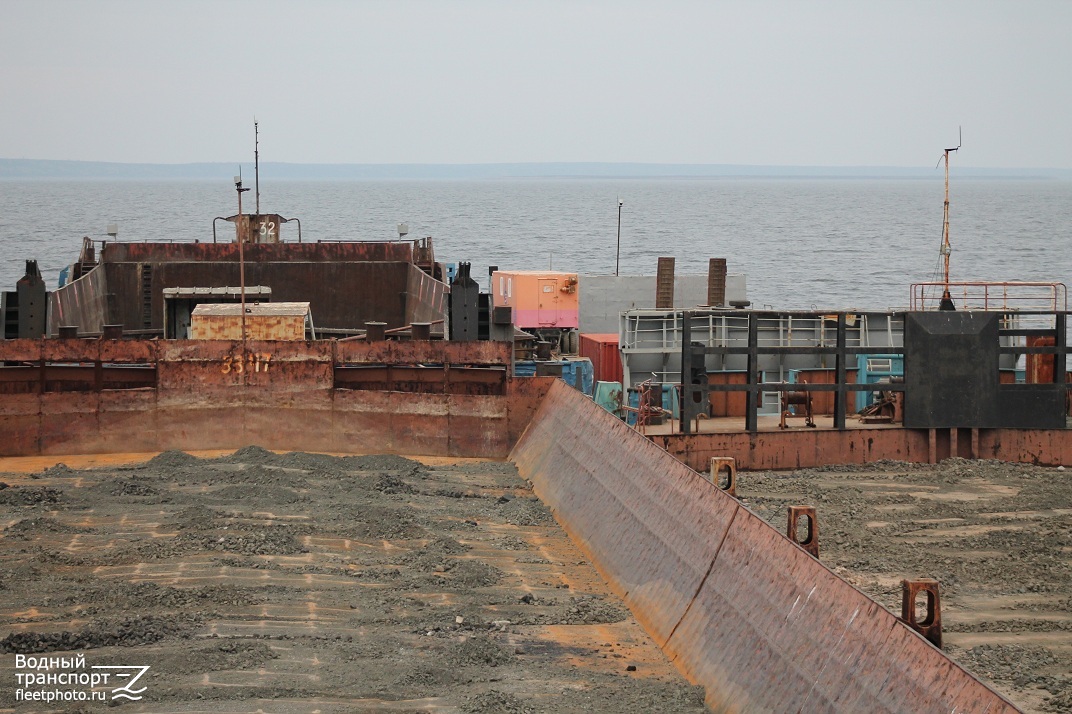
(828, 243)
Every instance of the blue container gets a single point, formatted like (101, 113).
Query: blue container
(874, 369)
(577, 373)
(670, 403)
(582, 375)
(609, 395)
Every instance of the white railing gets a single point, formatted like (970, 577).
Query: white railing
(993, 297)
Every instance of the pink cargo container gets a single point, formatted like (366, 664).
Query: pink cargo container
(540, 300)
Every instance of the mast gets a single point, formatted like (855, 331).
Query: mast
(257, 166)
(618, 254)
(241, 256)
(947, 299)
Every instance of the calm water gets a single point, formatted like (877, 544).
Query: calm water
(828, 243)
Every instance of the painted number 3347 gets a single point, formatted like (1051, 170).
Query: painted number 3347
(252, 362)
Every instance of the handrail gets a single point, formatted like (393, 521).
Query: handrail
(694, 389)
(992, 296)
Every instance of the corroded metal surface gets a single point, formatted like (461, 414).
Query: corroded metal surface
(66, 396)
(250, 320)
(83, 302)
(797, 448)
(664, 284)
(793, 449)
(305, 252)
(346, 283)
(317, 368)
(34, 366)
(744, 611)
(426, 297)
(416, 378)
(394, 352)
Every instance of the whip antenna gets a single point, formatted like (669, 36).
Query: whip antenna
(257, 164)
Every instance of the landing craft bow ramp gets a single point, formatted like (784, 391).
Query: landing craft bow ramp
(740, 609)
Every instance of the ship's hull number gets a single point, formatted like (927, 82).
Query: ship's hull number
(251, 361)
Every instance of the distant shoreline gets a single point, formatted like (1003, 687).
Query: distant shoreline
(39, 169)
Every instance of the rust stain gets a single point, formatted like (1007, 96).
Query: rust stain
(737, 606)
(258, 327)
(79, 396)
(801, 448)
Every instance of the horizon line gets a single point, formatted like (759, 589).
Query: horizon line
(30, 169)
(703, 164)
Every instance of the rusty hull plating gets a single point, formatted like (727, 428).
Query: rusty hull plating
(72, 396)
(346, 283)
(740, 608)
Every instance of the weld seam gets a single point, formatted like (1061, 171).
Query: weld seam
(703, 581)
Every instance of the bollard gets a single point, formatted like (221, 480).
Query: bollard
(931, 625)
(811, 541)
(68, 332)
(421, 331)
(724, 465)
(112, 332)
(375, 331)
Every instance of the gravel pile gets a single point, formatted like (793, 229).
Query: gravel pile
(127, 632)
(283, 579)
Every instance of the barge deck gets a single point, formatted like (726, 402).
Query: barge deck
(299, 582)
(715, 587)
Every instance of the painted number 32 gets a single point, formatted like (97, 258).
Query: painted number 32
(268, 229)
(252, 362)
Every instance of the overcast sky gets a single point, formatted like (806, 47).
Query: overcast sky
(773, 82)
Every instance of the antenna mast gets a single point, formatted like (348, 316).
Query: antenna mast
(257, 168)
(243, 230)
(947, 299)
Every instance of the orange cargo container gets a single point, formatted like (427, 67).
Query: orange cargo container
(538, 299)
(602, 349)
(823, 402)
(728, 404)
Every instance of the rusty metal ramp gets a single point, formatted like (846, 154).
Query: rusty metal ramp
(740, 608)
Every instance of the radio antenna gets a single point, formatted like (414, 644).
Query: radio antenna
(257, 164)
(947, 299)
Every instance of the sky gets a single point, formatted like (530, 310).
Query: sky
(754, 82)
